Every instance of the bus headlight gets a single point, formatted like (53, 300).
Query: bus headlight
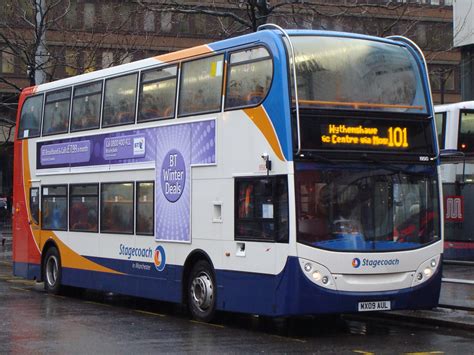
(426, 270)
(318, 274)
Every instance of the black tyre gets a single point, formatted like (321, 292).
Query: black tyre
(202, 292)
(52, 271)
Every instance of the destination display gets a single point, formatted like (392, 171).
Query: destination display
(366, 134)
(392, 137)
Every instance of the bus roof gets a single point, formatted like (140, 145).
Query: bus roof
(194, 51)
(455, 106)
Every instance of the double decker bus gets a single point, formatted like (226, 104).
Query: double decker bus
(455, 128)
(277, 173)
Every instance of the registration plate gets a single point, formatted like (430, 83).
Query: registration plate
(374, 306)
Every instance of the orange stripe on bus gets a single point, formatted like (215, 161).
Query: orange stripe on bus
(185, 53)
(259, 116)
(71, 259)
(26, 187)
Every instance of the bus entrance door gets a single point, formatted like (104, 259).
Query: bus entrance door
(34, 208)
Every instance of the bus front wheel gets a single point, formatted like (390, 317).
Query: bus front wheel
(202, 292)
(52, 271)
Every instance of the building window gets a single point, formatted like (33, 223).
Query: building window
(250, 77)
(54, 207)
(116, 208)
(166, 21)
(71, 62)
(89, 15)
(119, 103)
(157, 94)
(149, 21)
(145, 208)
(86, 106)
(56, 112)
(89, 62)
(84, 208)
(261, 209)
(201, 85)
(8, 63)
(31, 117)
(107, 59)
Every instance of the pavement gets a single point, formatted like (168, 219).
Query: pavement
(456, 304)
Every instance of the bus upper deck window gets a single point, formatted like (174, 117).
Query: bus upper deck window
(31, 117)
(250, 77)
(86, 107)
(56, 112)
(201, 85)
(119, 102)
(157, 94)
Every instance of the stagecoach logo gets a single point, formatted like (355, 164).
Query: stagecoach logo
(159, 258)
(374, 263)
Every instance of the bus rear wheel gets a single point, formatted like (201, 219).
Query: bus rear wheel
(202, 292)
(52, 271)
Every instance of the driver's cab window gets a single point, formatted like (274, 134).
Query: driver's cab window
(261, 209)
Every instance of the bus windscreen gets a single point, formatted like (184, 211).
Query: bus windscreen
(357, 74)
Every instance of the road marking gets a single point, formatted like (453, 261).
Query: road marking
(19, 289)
(458, 281)
(425, 353)
(209, 324)
(363, 352)
(21, 281)
(289, 338)
(98, 303)
(150, 313)
(57, 296)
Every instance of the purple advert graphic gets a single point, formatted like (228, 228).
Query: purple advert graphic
(173, 175)
(65, 153)
(177, 148)
(127, 147)
(174, 149)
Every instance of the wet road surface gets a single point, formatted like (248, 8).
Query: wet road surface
(85, 322)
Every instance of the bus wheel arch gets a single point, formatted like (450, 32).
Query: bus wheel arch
(199, 289)
(51, 268)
